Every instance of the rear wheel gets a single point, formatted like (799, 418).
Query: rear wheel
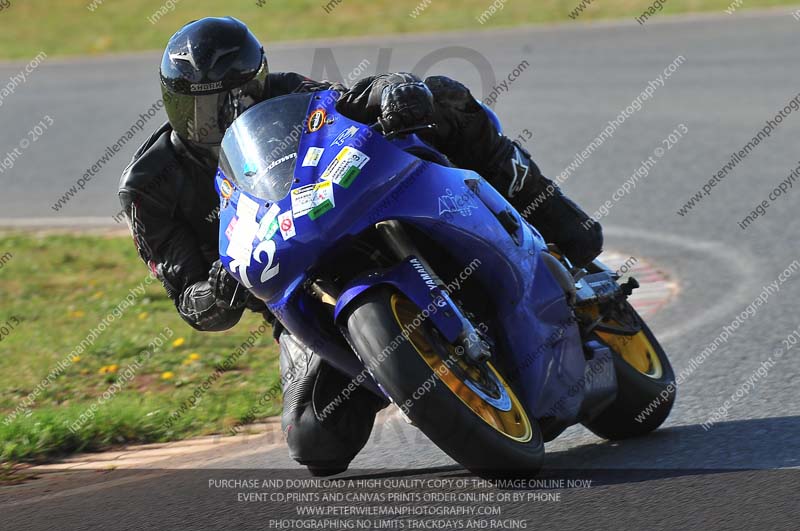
(467, 410)
(646, 382)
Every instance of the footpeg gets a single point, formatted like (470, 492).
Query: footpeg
(629, 285)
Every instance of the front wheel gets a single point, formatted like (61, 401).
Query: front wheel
(468, 411)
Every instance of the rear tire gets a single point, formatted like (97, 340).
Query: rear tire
(508, 444)
(645, 396)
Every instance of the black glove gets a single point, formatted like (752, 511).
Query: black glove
(227, 291)
(254, 304)
(463, 131)
(405, 106)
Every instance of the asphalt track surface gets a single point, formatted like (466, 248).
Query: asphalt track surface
(739, 71)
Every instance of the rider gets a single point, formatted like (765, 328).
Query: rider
(212, 70)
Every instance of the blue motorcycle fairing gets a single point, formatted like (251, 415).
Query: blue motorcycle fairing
(435, 304)
(540, 342)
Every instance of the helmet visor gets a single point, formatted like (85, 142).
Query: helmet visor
(203, 118)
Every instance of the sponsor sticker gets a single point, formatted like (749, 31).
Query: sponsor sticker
(344, 135)
(226, 188)
(246, 209)
(286, 223)
(344, 169)
(312, 197)
(312, 156)
(320, 209)
(316, 120)
(269, 223)
(281, 160)
(240, 244)
(271, 229)
(231, 226)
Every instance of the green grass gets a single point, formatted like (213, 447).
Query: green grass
(57, 288)
(67, 27)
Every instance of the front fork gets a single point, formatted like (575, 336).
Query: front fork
(396, 238)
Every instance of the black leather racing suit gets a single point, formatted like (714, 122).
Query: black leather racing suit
(167, 192)
(172, 207)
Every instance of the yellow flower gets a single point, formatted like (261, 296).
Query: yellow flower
(167, 375)
(77, 314)
(103, 369)
(143, 316)
(75, 359)
(97, 295)
(186, 362)
(178, 342)
(84, 371)
(101, 43)
(194, 356)
(113, 368)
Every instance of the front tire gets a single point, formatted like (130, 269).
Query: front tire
(423, 377)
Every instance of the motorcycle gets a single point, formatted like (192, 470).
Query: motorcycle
(422, 283)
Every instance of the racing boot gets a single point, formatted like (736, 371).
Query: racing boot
(324, 427)
(541, 202)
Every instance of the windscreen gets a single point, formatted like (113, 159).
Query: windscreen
(259, 150)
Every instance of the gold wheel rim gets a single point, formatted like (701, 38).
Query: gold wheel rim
(513, 423)
(636, 350)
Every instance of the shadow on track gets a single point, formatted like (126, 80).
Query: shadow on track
(733, 446)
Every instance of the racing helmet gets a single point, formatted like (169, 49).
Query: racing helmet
(213, 69)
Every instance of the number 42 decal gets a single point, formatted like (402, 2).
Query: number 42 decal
(266, 246)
